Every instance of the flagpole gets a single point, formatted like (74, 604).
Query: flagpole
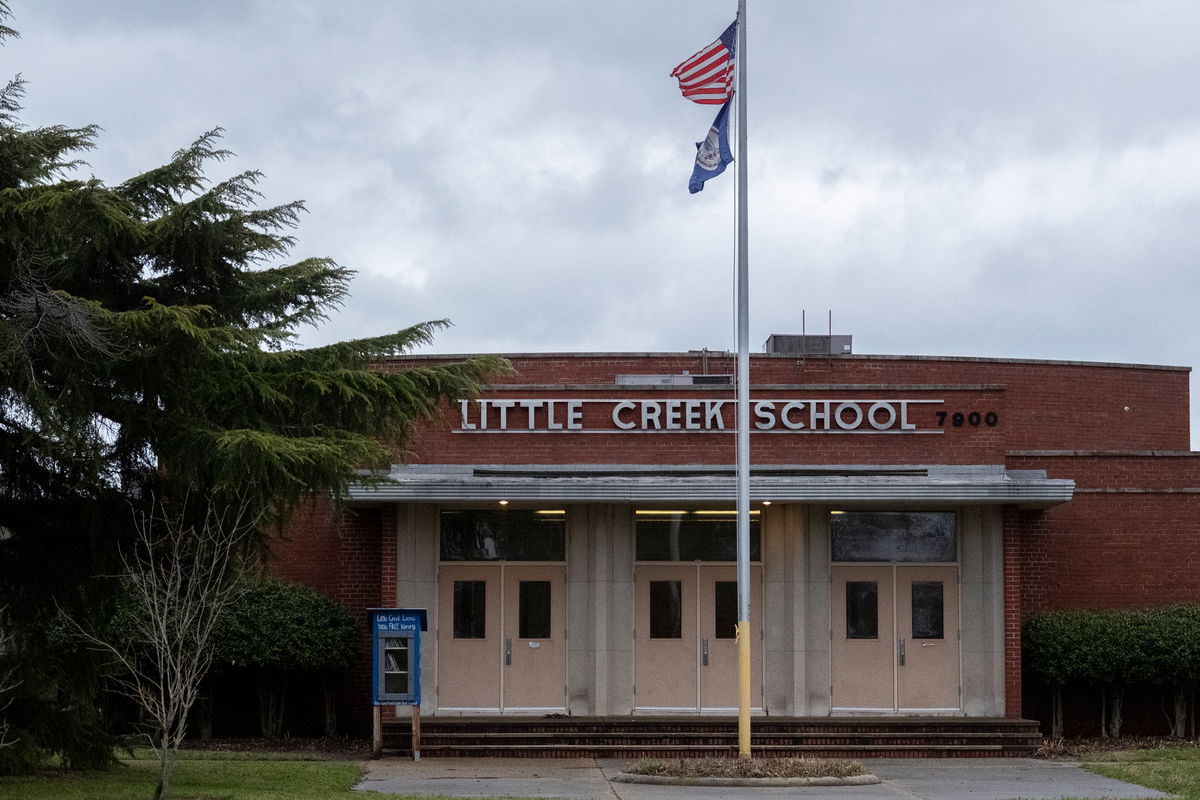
(743, 402)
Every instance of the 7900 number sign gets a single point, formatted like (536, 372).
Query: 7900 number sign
(973, 419)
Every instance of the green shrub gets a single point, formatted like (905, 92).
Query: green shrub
(280, 629)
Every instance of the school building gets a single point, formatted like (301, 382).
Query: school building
(571, 531)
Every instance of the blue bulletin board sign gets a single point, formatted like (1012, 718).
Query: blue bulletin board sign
(396, 655)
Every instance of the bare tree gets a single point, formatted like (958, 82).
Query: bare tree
(180, 579)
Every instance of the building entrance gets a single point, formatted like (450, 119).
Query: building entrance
(685, 647)
(894, 612)
(895, 632)
(502, 612)
(686, 610)
(502, 639)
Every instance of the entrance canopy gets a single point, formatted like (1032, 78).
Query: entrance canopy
(988, 484)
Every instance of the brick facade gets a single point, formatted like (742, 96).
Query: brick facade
(1130, 537)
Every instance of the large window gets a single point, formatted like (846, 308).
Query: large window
(915, 536)
(477, 535)
(692, 535)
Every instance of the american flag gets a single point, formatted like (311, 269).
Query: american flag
(707, 76)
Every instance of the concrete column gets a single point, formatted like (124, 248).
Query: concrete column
(584, 604)
(618, 653)
(600, 609)
(981, 543)
(813, 601)
(416, 584)
(782, 533)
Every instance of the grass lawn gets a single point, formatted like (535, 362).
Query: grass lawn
(1174, 770)
(200, 776)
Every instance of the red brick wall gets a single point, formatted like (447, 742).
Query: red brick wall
(308, 550)
(1012, 613)
(349, 556)
(1130, 537)
(1041, 405)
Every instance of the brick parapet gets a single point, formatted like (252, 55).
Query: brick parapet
(1040, 405)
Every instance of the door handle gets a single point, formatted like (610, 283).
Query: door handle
(902, 652)
(704, 651)
(508, 651)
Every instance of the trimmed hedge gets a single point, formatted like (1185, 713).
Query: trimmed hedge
(1115, 649)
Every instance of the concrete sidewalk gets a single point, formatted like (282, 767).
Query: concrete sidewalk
(588, 779)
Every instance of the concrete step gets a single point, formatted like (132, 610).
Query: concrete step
(612, 737)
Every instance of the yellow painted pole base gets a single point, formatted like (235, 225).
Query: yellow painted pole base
(743, 646)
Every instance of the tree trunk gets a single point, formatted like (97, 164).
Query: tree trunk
(166, 764)
(204, 715)
(327, 687)
(1179, 709)
(272, 689)
(1104, 712)
(1056, 714)
(1192, 709)
(1114, 719)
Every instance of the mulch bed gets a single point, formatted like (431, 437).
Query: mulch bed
(1075, 748)
(747, 768)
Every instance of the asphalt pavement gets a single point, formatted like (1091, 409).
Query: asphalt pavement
(590, 779)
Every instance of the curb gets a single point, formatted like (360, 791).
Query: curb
(667, 780)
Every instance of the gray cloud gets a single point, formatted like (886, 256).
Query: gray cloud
(1017, 179)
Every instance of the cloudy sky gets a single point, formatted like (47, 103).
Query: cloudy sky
(1017, 179)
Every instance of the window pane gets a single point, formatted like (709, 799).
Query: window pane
(470, 606)
(534, 610)
(725, 613)
(893, 536)
(928, 616)
(666, 610)
(692, 537)
(395, 666)
(478, 535)
(862, 610)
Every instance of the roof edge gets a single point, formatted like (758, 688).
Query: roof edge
(796, 357)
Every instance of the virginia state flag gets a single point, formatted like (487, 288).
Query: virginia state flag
(713, 154)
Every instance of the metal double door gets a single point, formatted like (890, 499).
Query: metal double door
(502, 638)
(685, 650)
(895, 634)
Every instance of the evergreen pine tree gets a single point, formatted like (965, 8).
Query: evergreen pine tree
(147, 334)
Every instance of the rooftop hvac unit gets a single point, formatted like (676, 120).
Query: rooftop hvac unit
(803, 345)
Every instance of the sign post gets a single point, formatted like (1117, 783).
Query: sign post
(396, 669)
